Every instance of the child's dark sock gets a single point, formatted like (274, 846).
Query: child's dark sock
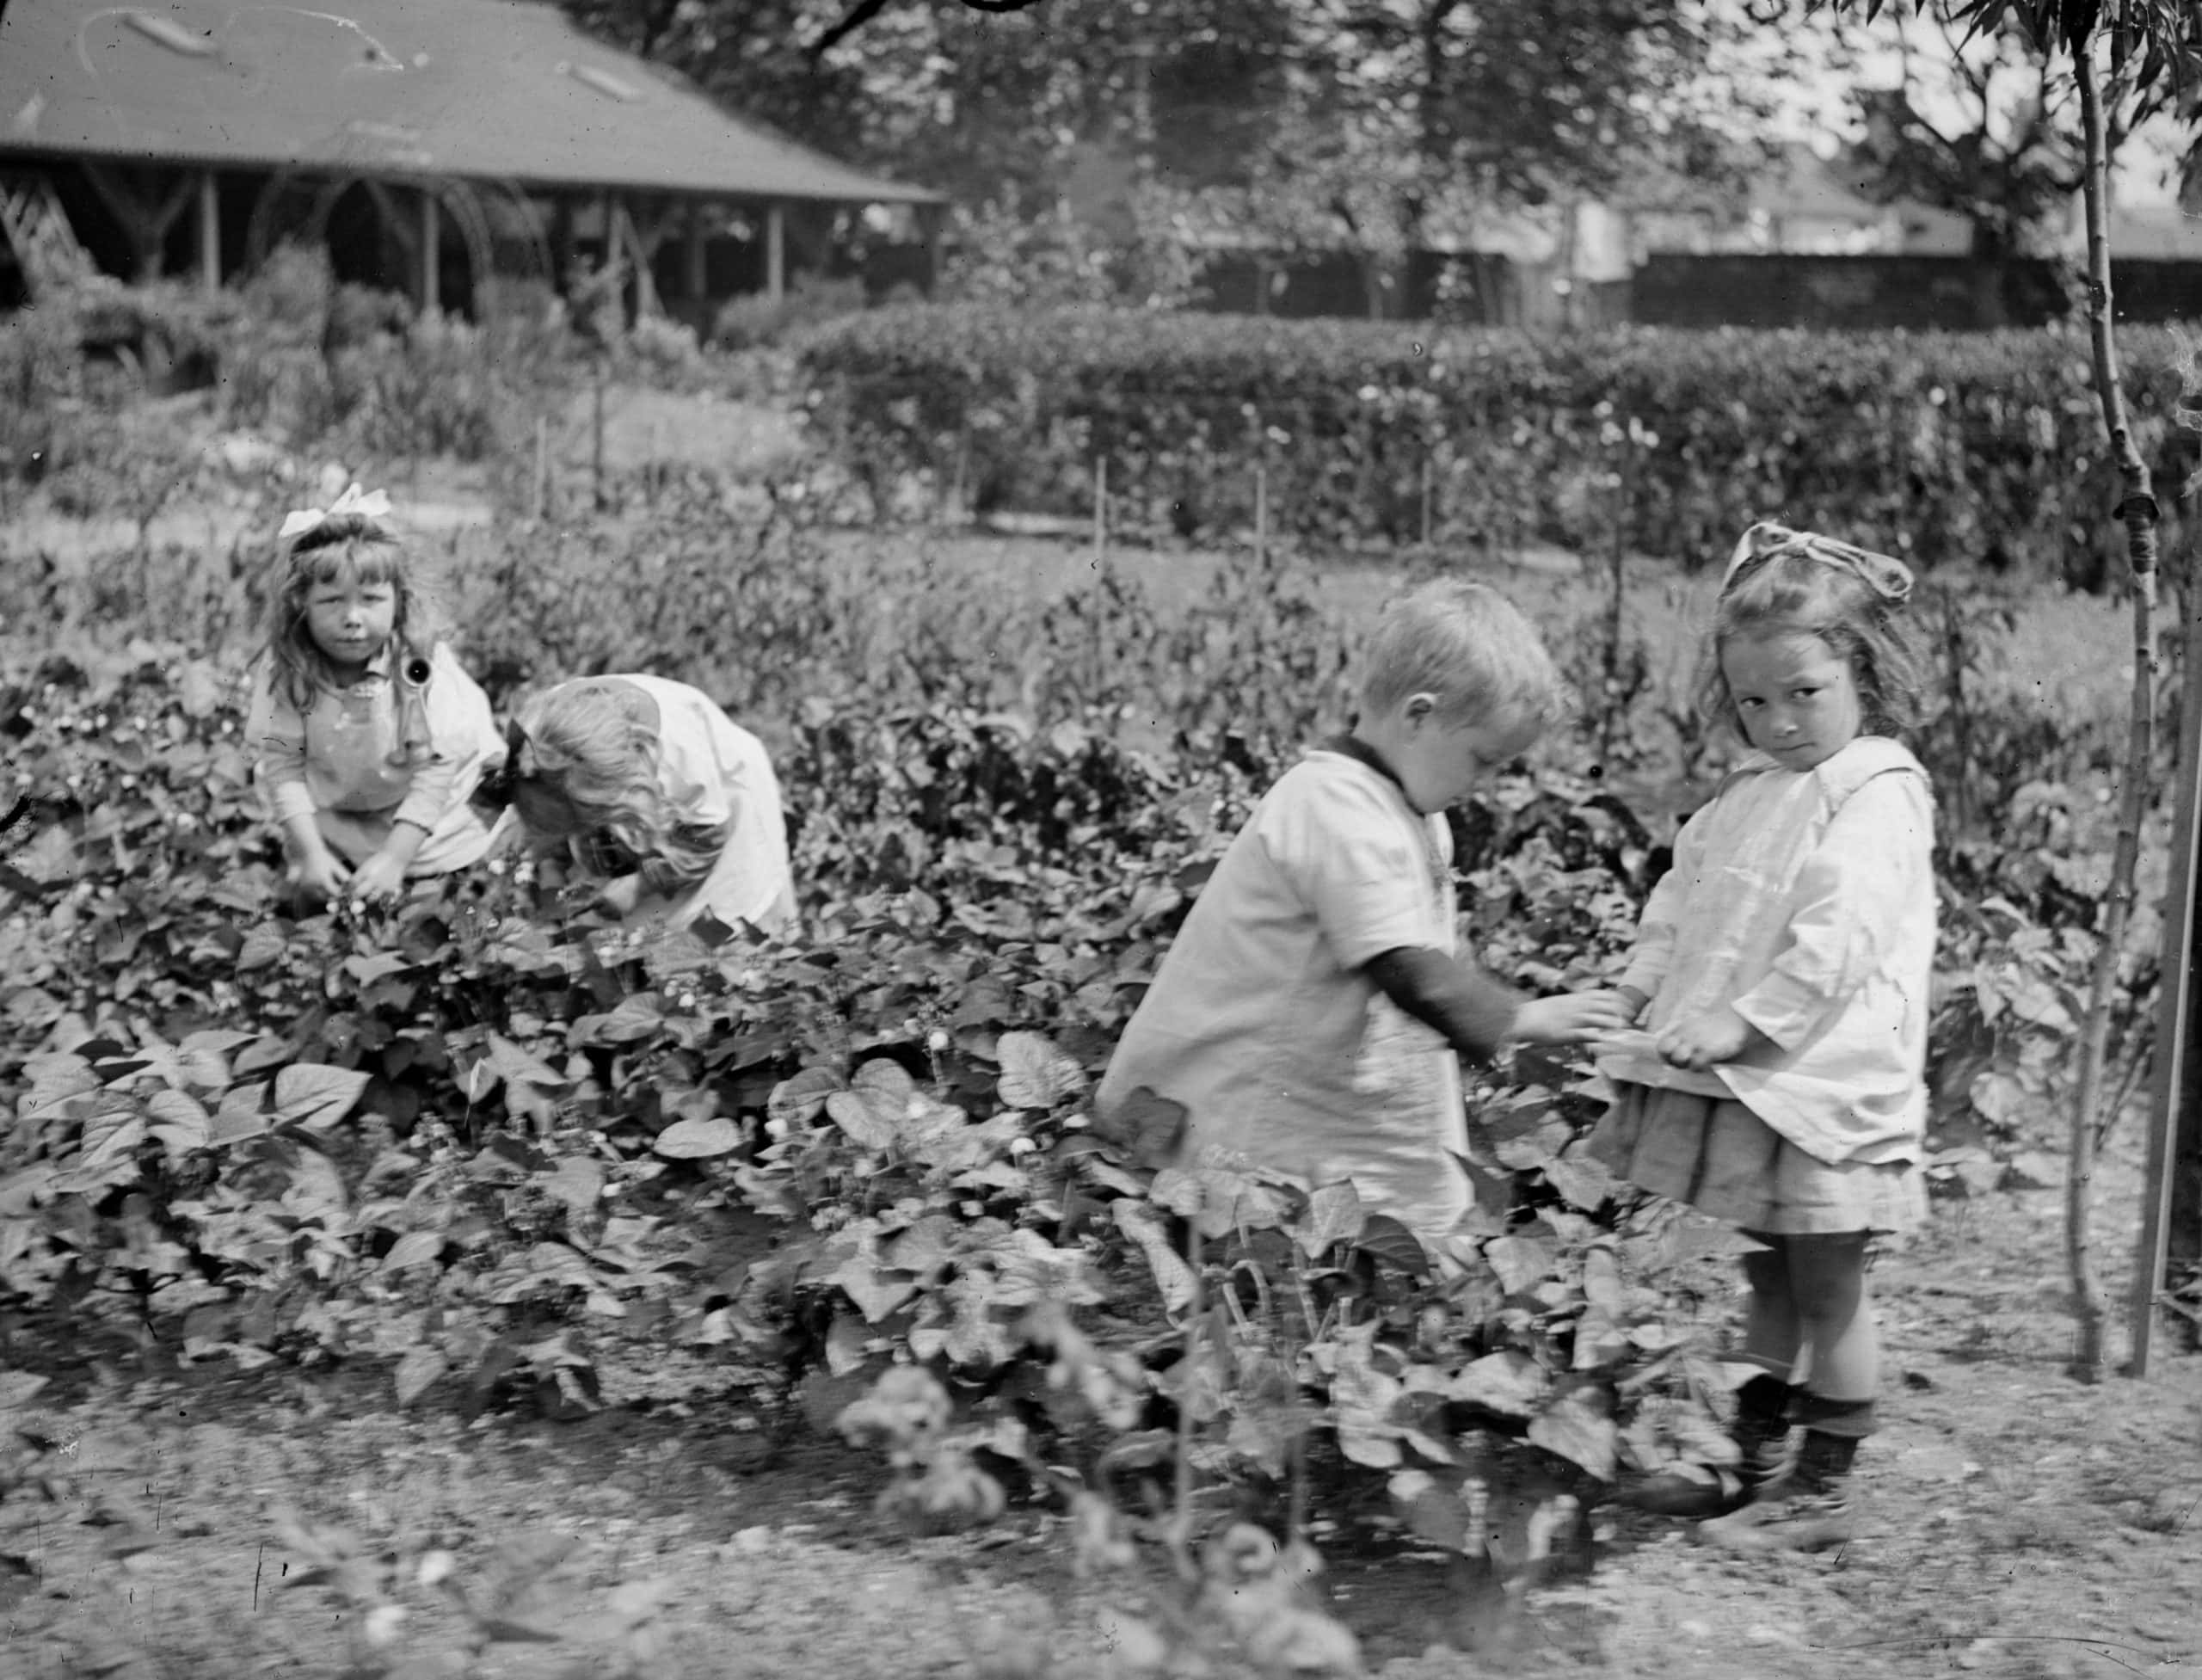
(1813, 1511)
(1762, 1409)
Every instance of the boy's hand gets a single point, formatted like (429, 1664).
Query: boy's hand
(377, 878)
(1572, 1018)
(1718, 1035)
(620, 896)
(320, 875)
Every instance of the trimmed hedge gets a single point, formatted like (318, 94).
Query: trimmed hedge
(1982, 447)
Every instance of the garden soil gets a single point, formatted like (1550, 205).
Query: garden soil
(2017, 1523)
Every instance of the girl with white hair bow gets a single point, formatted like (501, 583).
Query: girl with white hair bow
(368, 736)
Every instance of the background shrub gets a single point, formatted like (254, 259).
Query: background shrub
(1983, 448)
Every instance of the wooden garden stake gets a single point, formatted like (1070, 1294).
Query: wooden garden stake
(1100, 508)
(596, 436)
(1261, 515)
(541, 466)
(2174, 1094)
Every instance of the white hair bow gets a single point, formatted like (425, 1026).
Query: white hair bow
(1889, 578)
(368, 504)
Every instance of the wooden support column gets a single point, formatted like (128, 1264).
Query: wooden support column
(146, 221)
(210, 231)
(641, 239)
(694, 283)
(776, 251)
(432, 253)
(403, 228)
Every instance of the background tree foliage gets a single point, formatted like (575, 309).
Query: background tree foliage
(1354, 123)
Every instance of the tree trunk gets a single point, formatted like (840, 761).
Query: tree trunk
(2138, 509)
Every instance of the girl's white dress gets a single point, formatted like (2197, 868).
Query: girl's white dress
(1805, 901)
(712, 773)
(381, 751)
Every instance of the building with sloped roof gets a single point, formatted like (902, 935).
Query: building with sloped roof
(433, 143)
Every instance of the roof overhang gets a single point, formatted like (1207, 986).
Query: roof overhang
(499, 89)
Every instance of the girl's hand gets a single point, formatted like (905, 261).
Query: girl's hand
(620, 896)
(320, 875)
(377, 878)
(1718, 1035)
(1572, 1018)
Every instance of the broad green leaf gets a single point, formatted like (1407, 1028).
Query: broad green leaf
(1263, 1428)
(1034, 1074)
(1578, 1425)
(374, 966)
(1362, 1398)
(311, 1093)
(54, 1077)
(241, 1116)
(413, 1248)
(869, 1119)
(418, 1371)
(1334, 1216)
(1172, 1276)
(316, 1191)
(1393, 1243)
(180, 1122)
(631, 1018)
(514, 1065)
(876, 1287)
(1432, 1509)
(263, 943)
(1508, 1382)
(697, 1139)
(109, 1157)
(798, 1098)
(579, 1182)
(1521, 1263)
(846, 1344)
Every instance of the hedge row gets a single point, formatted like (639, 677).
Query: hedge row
(1986, 447)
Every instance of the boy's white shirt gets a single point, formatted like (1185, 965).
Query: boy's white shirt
(711, 771)
(1803, 901)
(333, 761)
(1263, 1023)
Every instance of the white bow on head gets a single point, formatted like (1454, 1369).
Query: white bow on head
(368, 504)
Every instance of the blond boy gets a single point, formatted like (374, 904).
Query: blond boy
(1310, 1014)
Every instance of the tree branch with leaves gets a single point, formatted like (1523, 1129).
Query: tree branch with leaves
(2153, 48)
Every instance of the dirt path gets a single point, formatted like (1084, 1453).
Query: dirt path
(2018, 1524)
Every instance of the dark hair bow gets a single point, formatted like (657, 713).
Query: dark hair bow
(494, 792)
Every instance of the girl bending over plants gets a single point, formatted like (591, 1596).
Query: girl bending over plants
(368, 736)
(656, 792)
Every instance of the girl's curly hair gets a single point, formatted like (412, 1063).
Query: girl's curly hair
(365, 547)
(595, 743)
(1794, 593)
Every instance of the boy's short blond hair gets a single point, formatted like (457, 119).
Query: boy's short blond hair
(1469, 645)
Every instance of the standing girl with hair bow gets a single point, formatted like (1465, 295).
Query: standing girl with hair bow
(1781, 971)
(368, 736)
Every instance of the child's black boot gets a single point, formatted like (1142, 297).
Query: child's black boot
(1813, 1510)
(1761, 1438)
